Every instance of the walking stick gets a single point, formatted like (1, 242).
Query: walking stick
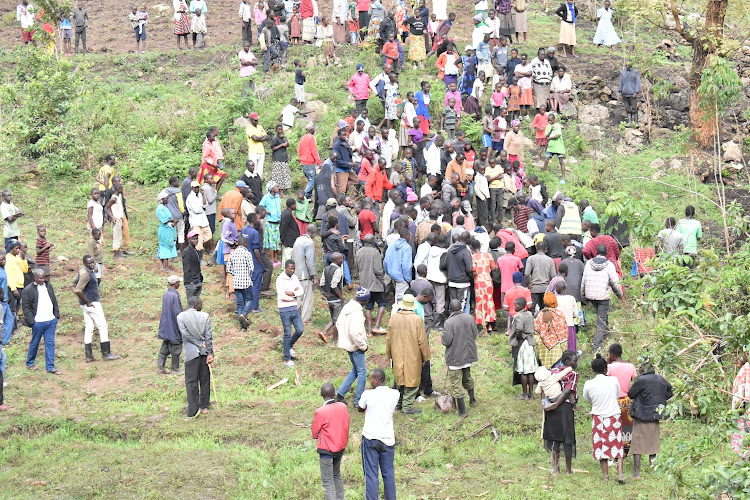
(213, 385)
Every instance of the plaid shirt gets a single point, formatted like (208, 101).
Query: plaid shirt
(240, 266)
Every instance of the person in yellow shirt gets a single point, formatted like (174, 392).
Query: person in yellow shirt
(13, 268)
(256, 136)
(105, 175)
(494, 174)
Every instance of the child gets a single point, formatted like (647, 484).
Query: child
(522, 344)
(259, 13)
(500, 127)
(555, 145)
(514, 99)
(138, 22)
(67, 30)
(295, 26)
(390, 53)
(483, 57)
(456, 96)
(410, 163)
(539, 124)
(198, 28)
(498, 99)
(549, 384)
(397, 175)
(417, 139)
(568, 305)
(487, 126)
(389, 146)
(95, 250)
(432, 26)
(299, 83)
(391, 95)
(283, 38)
(519, 173)
(477, 91)
(449, 119)
(43, 249)
(303, 212)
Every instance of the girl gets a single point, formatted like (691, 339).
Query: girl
(500, 127)
(559, 423)
(519, 20)
(498, 99)
(181, 22)
(555, 145)
(469, 63)
(407, 120)
(540, 125)
(326, 37)
(280, 157)
(391, 95)
(568, 13)
(523, 72)
(423, 107)
(271, 237)
(514, 99)
(487, 127)
(522, 343)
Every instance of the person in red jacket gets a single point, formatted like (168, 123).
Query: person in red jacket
(375, 183)
(331, 428)
(613, 249)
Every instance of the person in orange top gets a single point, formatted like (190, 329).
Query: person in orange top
(540, 125)
(307, 149)
(390, 51)
(377, 181)
(233, 199)
(212, 159)
(459, 166)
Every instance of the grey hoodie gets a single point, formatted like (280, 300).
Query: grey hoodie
(599, 276)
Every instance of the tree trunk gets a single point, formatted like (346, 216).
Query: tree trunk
(704, 45)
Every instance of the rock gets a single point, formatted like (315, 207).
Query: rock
(607, 90)
(624, 149)
(678, 101)
(62, 259)
(664, 195)
(734, 168)
(160, 69)
(612, 103)
(679, 83)
(570, 110)
(309, 96)
(657, 175)
(319, 110)
(263, 91)
(241, 122)
(593, 114)
(161, 7)
(658, 164)
(633, 137)
(590, 133)
(732, 152)
(312, 62)
(675, 164)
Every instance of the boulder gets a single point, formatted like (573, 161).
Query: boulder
(593, 114)
(732, 152)
(658, 164)
(633, 137)
(570, 110)
(734, 168)
(241, 122)
(679, 83)
(675, 164)
(657, 175)
(590, 133)
(319, 110)
(678, 101)
(312, 62)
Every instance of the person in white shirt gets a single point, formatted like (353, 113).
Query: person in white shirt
(40, 312)
(356, 140)
(196, 208)
(378, 439)
(288, 288)
(246, 16)
(432, 153)
(602, 392)
(209, 193)
(25, 17)
(482, 192)
(289, 112)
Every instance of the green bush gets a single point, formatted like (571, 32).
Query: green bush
(158, 161)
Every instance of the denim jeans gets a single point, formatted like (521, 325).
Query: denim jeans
(330, 476)
(257, 286)
(7, 322)
(244, 298)
(3, 361)
(376, 454)
(44, 329)
(358, 373)
(289, 318)
(309, 171)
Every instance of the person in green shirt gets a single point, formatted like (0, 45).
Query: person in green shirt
(555, 145)
(587, 212)
(691, 231)
(303, 213)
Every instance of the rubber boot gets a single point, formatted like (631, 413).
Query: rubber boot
(106, 354)
(461, 407)
(635, 119)
(89, 353)
(472, 399)
(176, 365)
(160, 365)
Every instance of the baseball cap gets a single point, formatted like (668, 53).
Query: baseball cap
(174, 279)
(195, 184)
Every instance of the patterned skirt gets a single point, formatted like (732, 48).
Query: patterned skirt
(548, 357)
(626, 421)
(736, 442)
(525, 360)
(527, 97)
(271, 236)
(280, 175)
(308, 29)
(606, 436)
(182, 25)
(417, 50)
(484, 311)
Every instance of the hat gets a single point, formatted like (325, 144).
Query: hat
(469, 47)
(466, 206)
(254, 116)
(515, 123)
(542, 373)
(310, 126)
(342, 124)
(173, 278)
(512, 201)
(360, 66)
(331, 202)
(240, 184)
(192, 233)
(551, 49)
(270, 185)
(363, 295)
(479, 17)
(517, 277)
(195, 184)
(163, 194)
(571, 250)
(408, 302)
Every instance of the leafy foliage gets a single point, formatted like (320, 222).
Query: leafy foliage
(157, 162)
(720, 88)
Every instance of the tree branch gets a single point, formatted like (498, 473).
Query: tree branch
(678, 24)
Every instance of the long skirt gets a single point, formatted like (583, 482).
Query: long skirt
(522, 25)
(606, 33)
(572, 341)
(527, 97)
(339, 33)
(606, 437)
(167, 236)
(328, 49)
(416, 48)
(182, 25)
(560, 429)
(308, 29)
(210, 169)
(280, 174)
(541, 93)
(484, 311)
(507, 27)
(525, 360)
(271, 236)
(626, 421)
(737, 440)
(567, 33)
(557, 100)
(549, 357)
(646, 438)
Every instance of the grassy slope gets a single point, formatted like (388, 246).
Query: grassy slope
(120, 426)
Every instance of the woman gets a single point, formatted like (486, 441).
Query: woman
(307, 12)
(691, 232)
(417, 27)
(523, 73)
(448, 64)
(559, 90)
(559, 425)
(551, 331)
(606, 430)
(519, 20)
(271, 236)
(504, 10)
(181, 21)
(740, 399)
(625, 374)
(482, 266)
(166, 233)
(469, 64)
(280, 158)
(648, 395)
(514, 140)
(325, 33)
(568, 13)
(605, 30)
(324, 189)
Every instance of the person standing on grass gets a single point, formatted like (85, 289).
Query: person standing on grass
(378, 439)
(117, 213)
(138, 21)
(555, 145)
(398, 262)
(256, 136)
(86, 289)
(191, 267)
(307, 150)
(81, 21)
(7, 313)
(568, 14)
(195, 205)
(306, 270)
(459, 338)
(25, 17)
(246, 15)
(197, 336)
(43, 249)
(331, 428)
(332, 286)
(629, 88)
(169, 332)
(599, 277)
(166, 233)
(288, 291)
(15, 284)
(371, 277)
(10, 214)
(539, 271)
(359, 87)
(353, 339)
(41, 312)
(625, 374)
(248, 61)
(559, 423)
(240, 266)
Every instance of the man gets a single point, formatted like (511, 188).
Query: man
(613, 249)
(185, 188)
(15, 285)
(425, 227)
(10, 214)
(254, 244)
(306, 270)
(459, 338)
(117, 213)
(599, 277)
(397, 262)
(253, 181)
(240, 266)
(86, 289)
(7, 313)
(331, 428)
(432, 157)
(371, 277)
(568, 216)
(449, 188)
(246, 15)
(81, 22)
(541, 77)
(332, 286)
(288, 229)
(629, 88)
(209, 195)
(233, 199)
(169, 332)
(353, 339)
(521, 215)
(587, 212)
(387, 27)
(553, 238)
(307, 149)
(40, 312)
(25, 17)
(406, 345)
(459, 269)
(458, 165)
(196, 208)
(191, 267)
(344, 163)
(288, 291)
(378, 439)
(197, 335)
(256, 136)
(540, 269)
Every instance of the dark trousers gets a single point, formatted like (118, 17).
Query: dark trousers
(193, 290)
(483, 210)
(364, 21)
(80, 35)
(169, 349)
(197, 384)
(631, 104)
(537, 299)
(267, 272)
(425, 385)
(463, 295)
(496, 206)
(247, 33)
(46, 330)
(330, 476)
(257, 285)
(376, 455)
(360, 104)
(602, 323)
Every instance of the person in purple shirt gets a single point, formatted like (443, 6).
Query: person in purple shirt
(255, 246)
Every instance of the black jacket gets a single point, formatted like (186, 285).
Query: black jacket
(191, 265)
(649, 392)
(29, 298)
(562, 11)
(288, 228)
(458, 260)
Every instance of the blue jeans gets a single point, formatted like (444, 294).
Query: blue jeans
(257, 278)
(289, 318)
(7, 322)
(44, 329)
(358, 373)
(244, 300)
(3, 361)
(309, 171)
(374, 454)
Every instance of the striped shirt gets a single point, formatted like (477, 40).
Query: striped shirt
(521, 218)
(43, 249)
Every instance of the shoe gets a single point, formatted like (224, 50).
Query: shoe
(411, 411)
(267, 293)
(461, 407)
(339, 398)
(472, 399)
(106, 354)
(292, 353)
(203, 410)
(89, 354)
(33, 368)
(289, 364)
(256, 311)
(193, 417)
(177, 372)
(127, 252)
(161, 371)
(420, 399)
(562, 181)
(243, 321)
(54, 371)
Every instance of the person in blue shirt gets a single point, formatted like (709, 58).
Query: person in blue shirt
(397, 262)
(272, 236)
(344, 172)
(252, 234)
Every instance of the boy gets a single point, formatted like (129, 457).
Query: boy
(199, 29)
(449, 119)
(390, 53)
(555, 145)
(67, 30)
(286, 117)
(303, 212)
(487, 127)
(537, 189)
(138, 21)
(283, 28)
(299, 83)
(43, 249)
(522, 338)
(95, 250)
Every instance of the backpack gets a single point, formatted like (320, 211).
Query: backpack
(495, 273)
(443, 266)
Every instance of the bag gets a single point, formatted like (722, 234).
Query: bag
(495, 273)
(444, 402)
(513, 340)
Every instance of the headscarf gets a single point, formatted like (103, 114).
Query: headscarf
(363, 295)
(515, 123)
(163, 194)
(550, 300)
(270, 185)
